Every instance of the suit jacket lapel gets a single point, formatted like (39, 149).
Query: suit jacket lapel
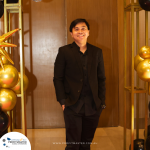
(90, 58)
(77, 56)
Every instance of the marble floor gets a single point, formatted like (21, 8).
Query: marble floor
(54, 139)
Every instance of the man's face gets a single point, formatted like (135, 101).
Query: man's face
(80, 32)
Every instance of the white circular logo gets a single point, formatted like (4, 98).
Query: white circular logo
(14, 141)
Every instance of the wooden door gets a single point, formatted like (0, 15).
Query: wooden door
(44, 33)
(102, 17)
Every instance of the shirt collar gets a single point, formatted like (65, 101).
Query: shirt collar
(76, 46)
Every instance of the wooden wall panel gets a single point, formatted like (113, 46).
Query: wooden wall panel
(121, 63)
(121, 59)
(102, 17)
(44, 33)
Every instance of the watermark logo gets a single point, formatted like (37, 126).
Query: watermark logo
(14, 141)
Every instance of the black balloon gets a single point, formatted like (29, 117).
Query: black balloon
(2, 6)
(10, 1)
(148, 143)
(4, 121)
(1, 9)
(138, 144)
(3, 133)
(148, 131)
(145, 4)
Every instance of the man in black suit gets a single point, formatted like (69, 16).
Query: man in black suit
(79, 80)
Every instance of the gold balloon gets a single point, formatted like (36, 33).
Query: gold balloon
(8, 99)
(5, 61)
(144, 52)
(8, 76)
(137, 60)
(17, 87)
(143, 70)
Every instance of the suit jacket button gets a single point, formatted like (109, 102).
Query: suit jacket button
(78, 91)
(81, 80)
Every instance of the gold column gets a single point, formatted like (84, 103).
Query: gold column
(125, 70)
(132, 76)
(137, 78)
(146, 85)
(22, 70)
(5, 19)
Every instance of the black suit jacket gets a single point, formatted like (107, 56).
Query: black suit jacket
(68, 74)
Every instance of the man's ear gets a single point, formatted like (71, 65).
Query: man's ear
(71, 33)
(89, 33)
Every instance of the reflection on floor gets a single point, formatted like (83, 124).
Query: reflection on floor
(54, 139)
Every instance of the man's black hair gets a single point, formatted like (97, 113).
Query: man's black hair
(75, 22)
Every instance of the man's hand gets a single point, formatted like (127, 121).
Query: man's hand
(63, 107)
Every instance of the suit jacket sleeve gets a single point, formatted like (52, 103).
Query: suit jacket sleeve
(101, 78)
(59, 76)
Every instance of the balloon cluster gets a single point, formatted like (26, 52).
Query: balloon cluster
(142, 63)
(10, 82)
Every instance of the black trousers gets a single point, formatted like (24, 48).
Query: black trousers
(80, 129)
